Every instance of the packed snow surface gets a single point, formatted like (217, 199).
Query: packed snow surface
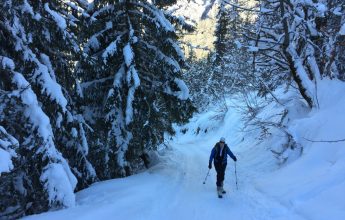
(310, 186)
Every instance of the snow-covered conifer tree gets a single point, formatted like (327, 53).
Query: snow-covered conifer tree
(131, 83)
(230, 66)
(36, 90)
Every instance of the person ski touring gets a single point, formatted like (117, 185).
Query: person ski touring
(219, 155)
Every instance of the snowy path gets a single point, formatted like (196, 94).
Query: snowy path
(174, 190)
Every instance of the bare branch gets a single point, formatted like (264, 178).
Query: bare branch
(323, 141)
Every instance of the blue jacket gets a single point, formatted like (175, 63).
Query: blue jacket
(215, 151)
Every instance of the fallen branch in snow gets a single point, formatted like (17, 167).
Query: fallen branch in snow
(322, 141)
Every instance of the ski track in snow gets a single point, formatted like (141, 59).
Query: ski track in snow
(174, 189)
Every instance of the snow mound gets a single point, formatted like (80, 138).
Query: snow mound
(314, 184)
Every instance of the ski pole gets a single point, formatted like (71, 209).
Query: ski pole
(236, 176)
(206, 176)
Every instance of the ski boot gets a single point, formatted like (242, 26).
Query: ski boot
(222, 189)
(219, 191)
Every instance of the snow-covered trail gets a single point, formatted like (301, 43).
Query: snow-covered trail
(174, 189)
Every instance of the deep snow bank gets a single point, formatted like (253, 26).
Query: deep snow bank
(314, 184)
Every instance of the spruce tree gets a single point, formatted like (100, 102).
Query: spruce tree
(131, 84)
(231, 66)
(36, 90)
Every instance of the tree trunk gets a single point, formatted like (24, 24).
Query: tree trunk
(290, 59)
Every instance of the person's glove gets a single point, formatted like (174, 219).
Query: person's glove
(209, 166)
(235, 159)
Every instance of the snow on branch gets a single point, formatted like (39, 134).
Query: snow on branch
(8, 144)
(342, 30)
(123, 143)
(105, 9)
(26, 7)
(308, 85)
(182, 21)
(43, 73)
(132, 77)
(60, 21)
(85, 85)
(46, 61)
(128, 54)
(93, 42)
(33, 111)
(132, 74)
(77, 8)
(183, 94)
(7, 63)
(161, 56)
(49, 85)
(119, 76)
(177, 49)
(58, 180)
(158, 16)
(111, 49)
(129, 104)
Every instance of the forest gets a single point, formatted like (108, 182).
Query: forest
(90, 90)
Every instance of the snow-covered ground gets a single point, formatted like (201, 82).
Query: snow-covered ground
(314, 184)
(311, 186)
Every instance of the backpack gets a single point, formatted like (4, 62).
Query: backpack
(217, 157)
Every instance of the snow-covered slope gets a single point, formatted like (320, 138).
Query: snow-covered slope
(311, 186)
(314, 184)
